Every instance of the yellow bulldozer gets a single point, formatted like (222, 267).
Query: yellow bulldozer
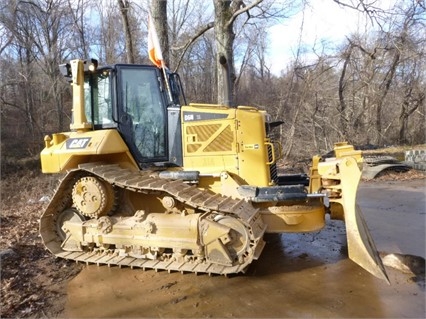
(155, 184)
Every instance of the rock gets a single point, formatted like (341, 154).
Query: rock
(409, 264)
(8, 254)
(416, 159)
(44, 199)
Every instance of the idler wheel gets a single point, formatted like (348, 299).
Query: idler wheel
(92, 197)
(239, 243)
(70, 214)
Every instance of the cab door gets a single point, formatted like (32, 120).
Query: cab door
(141, 109)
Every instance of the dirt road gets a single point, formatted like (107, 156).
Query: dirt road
(298, 275)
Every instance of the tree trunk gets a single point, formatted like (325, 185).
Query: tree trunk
(389, 77)
(224, 38)
(342, 101)
(124, 6)
(159, 16)
(406, 111)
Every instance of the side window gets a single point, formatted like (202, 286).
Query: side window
(88, 98)
(97, 90)
(143, 110)
(103, 100)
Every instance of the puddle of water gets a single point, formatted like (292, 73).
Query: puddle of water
(302, 283)
(395, 213)
(298, 275)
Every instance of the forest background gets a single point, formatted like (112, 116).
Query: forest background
(369, 90)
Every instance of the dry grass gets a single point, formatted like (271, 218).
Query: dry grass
(399, 176)
(33, 283)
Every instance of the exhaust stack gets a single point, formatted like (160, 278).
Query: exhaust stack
(227, 79)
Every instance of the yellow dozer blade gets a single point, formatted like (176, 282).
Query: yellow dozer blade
(340, 177)
(361, 247)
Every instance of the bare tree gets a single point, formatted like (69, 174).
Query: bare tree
(389, 77)
(40, 30)
(124, 6)
(159, 15)
(108, 39)
(411, 103)
(342, 101)
(79, 42)
(226, 14)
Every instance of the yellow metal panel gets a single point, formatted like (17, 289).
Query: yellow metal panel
(253, 156)
(208, 136)
(301, 217)
(67, 150)
(218, 138)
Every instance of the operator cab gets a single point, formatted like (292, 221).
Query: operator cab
(135, 100)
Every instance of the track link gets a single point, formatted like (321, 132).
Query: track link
(146, 182)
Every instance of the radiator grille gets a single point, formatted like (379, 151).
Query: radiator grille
(203, 132)
(223, 142)
(272, 167)
(203, 138)
(191, 148)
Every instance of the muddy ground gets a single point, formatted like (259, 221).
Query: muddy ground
(298, 275)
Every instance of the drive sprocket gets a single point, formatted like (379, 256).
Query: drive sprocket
(93, 197)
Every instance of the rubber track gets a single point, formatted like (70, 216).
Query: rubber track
(145, 182)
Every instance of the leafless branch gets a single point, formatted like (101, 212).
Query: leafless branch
(243, 8)
(185, 47)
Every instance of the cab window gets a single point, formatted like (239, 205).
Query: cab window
(142, 112)
(97, 94)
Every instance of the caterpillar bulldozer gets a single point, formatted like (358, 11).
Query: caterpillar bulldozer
(151, 183)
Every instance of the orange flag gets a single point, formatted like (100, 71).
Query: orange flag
(154, 49)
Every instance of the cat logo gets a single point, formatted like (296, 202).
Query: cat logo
(77, 143)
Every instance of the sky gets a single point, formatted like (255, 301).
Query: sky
(325, 25)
